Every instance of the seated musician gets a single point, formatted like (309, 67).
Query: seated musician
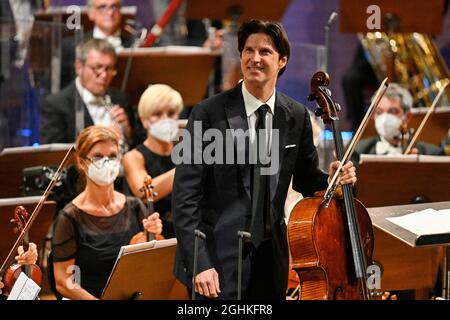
(28, 257)
(158, 109)
(392, 113)
(91, 229)
(88, 99)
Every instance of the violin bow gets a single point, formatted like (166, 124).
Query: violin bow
(351, 147)
(425, 119)
(36, 211)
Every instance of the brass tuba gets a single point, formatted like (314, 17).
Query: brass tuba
(410, 59)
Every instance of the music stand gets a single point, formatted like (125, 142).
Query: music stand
(186, 69)
(401, 180)
(237, 10)
(379, 219)
(14, 160)
(39, 230)
(412, 16)
(144, 272)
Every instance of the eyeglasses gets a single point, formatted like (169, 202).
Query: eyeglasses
(103, 8)
(99, 161)
(98, 70)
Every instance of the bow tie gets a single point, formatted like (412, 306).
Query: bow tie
(116, 42)
(384, 147)
(98, 101)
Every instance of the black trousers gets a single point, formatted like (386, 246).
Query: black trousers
(261, 284)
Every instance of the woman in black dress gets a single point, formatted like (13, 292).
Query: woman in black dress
(91, 229)
(159, 108)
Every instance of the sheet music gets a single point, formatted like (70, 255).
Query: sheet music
(425, 222)
(24, 289)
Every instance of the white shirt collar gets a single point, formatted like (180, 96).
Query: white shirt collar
(252, 103)
(384, 147)
(96, 105)
(85, 94)
(115, 39)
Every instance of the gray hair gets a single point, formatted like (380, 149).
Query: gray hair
(99, 45)
(395, 90)
(89, 2)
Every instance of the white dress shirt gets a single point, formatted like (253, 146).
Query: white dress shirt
(384, 147)
(114, 40)
(251, 105)
(98, 107)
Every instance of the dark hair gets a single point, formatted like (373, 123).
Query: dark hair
(272, 29)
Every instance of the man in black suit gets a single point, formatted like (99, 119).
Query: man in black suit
(107, 19)
(393, 113)
(88, 99)
(222, 197)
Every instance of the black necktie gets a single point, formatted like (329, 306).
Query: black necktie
(260, 224)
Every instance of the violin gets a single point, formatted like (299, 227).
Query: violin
(24, 221)
(330, 235)
(145, 236)
(31, 270)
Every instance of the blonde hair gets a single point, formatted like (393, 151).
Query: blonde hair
(158, 97)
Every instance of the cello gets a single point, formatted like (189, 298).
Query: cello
(330, 235)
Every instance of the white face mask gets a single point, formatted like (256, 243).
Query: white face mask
(388, 125)
(104, 171)
(165, 130)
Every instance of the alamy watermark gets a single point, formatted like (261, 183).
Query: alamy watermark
(373, 22)
(235, 147)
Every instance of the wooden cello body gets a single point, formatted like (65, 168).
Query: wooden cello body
(321, 252)
(330, 235)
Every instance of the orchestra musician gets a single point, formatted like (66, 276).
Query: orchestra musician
(91, 229)
(217, 198)
(159, 108)
(391, 118)
(89, 99)
(23, 258)
(107, 19)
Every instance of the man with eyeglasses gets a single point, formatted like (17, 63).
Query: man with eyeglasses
(88, 99)
(391, 119)
(107, 19)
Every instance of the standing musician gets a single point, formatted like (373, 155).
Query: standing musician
(391, 118)
(159, 108)
(91, 229)
(221, 199)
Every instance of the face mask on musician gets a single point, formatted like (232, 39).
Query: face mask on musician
(388, 125)
(165, 130)
(103, 171)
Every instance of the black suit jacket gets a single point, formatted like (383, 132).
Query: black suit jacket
(216, 198)
(68, 55)
(368, 146)
(58, 114)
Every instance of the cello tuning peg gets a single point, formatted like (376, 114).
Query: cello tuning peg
(155, 194)
(311, 97)
(326, 90)
(338, 107)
